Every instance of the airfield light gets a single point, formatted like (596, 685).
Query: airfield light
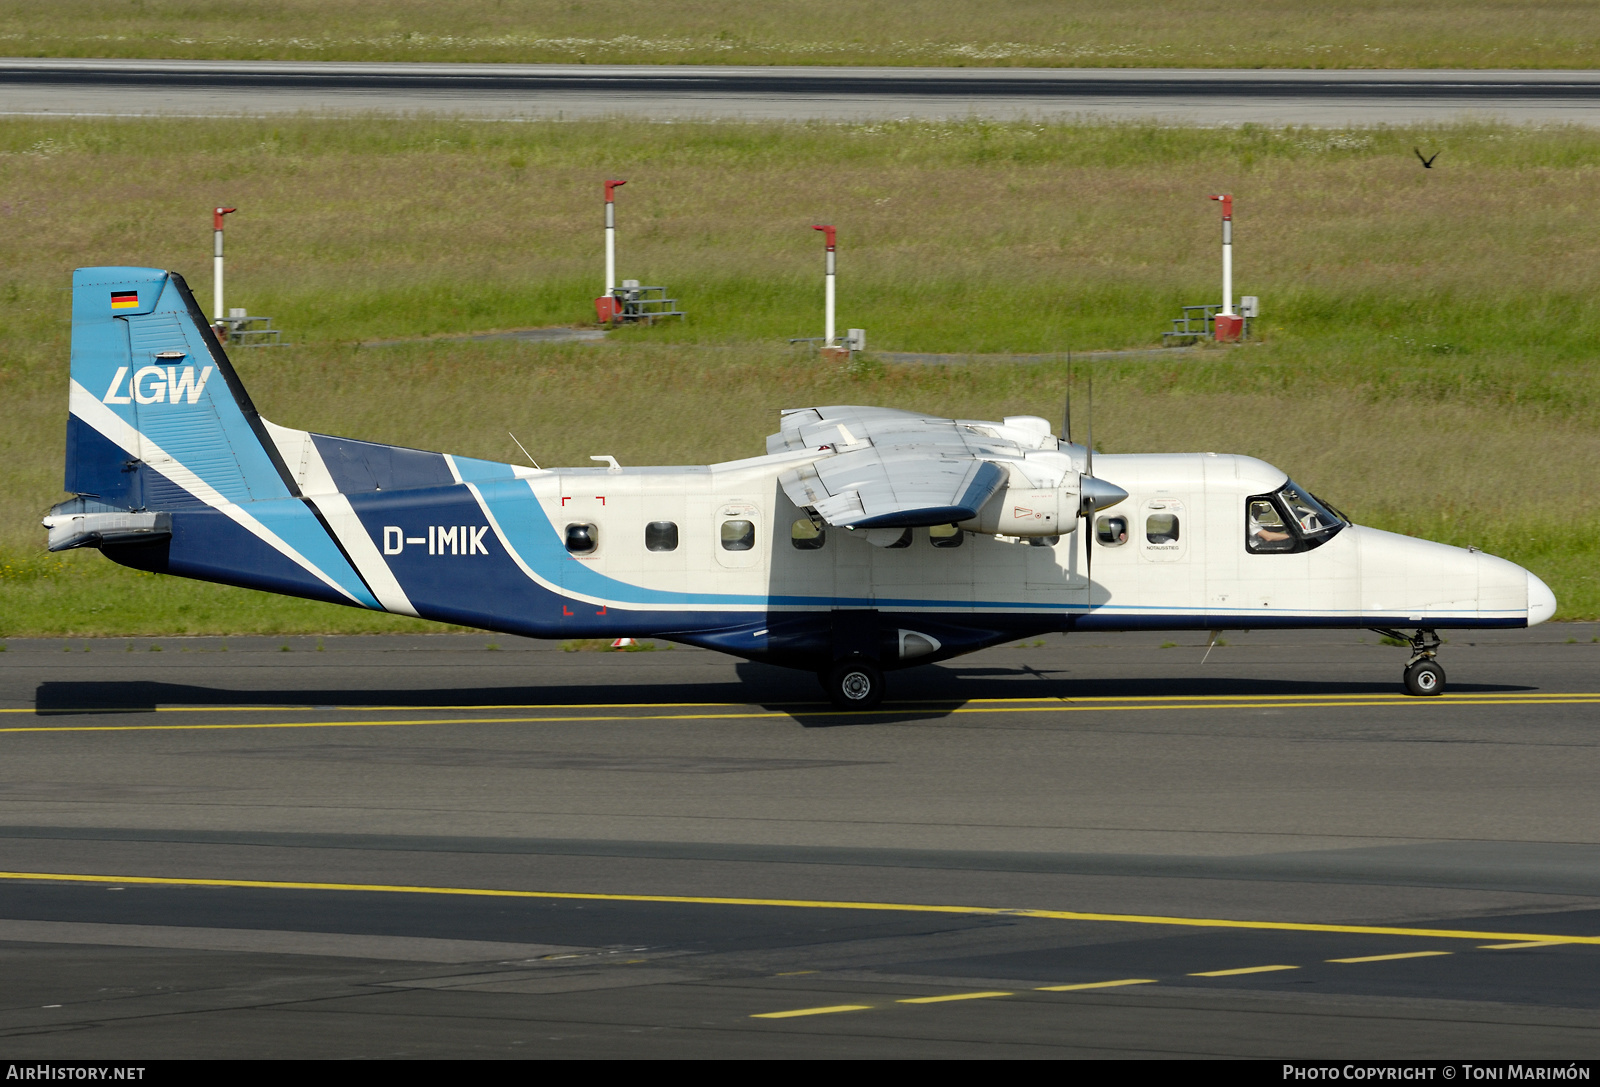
(828, 278)
(216, 260)
(606, 305)
(1228, 326)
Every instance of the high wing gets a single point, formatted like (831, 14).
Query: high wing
(899, 469)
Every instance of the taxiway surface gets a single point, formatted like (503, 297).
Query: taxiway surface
(477, 845)
(70, 86)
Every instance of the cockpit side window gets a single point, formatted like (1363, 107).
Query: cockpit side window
(1265, 531)
(1287, 521)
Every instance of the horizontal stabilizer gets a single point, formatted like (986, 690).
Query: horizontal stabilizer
(82, 523)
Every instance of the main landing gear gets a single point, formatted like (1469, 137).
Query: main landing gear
(853, 684)
(1423, 676)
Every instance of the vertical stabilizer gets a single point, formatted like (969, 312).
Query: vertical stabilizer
(151, 388)
(173, 468)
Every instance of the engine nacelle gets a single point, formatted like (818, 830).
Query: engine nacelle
(1028, 511)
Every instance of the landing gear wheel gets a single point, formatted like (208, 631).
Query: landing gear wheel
(1425, 678)
(854, 685)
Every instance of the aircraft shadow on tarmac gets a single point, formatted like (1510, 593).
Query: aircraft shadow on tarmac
(928, 692)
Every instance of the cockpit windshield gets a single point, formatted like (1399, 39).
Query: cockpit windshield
(1312, 517)
(1288, 520)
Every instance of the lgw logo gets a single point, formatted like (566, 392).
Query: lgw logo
(155, 384)
(441, 540)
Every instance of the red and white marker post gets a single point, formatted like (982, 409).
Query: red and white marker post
(216, 261)
(1229, 326)
(828, 278)
(605, 307)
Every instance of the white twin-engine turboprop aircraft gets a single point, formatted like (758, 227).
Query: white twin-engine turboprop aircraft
(864, 540)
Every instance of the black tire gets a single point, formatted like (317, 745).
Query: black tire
(1425, 679)
(854, 685)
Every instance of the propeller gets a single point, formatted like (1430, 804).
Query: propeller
(1085, 503)
(1093, 493)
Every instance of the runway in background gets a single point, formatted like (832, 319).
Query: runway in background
(73, 87)
(462, 845)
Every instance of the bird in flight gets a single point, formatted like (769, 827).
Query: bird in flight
(1427, 163)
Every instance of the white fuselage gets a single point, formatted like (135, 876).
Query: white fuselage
(1205, 577)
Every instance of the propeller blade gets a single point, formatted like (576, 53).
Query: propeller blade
(1066, 415)
(1088, 559)
(1089, 442)
(1088, 475)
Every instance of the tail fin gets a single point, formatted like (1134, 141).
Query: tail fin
(174, 468)
(152, 388)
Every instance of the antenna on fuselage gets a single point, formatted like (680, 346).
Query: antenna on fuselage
(525, 453)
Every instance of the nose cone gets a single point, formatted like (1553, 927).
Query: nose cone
(1541, 601)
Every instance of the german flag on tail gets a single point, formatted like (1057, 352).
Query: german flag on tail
(124, 299)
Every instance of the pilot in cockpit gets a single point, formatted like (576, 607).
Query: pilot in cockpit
(1267, 532)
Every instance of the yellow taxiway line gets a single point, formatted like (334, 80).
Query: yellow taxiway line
(1095, 985)
(970, 705)
(1108, 705)
(829, 1010)
(814, 904)
(949, 997)
(1241, 970)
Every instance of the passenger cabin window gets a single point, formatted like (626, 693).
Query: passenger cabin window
(1289, 520)
(1161, 528)
(1043, 541)
(946, 536)
(903, 541)
(806, 536)
(738, 535)
(661, 536)
(583, 539)
(1111, 531)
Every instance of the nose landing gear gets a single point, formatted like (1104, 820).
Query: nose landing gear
(1423, 676)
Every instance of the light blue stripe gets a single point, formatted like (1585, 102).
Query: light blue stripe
(480, 471)
(298, 527)
(536, 541)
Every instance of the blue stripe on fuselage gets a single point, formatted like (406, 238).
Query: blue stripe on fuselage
(529, 531)
(358, 467)
(210, 546)
(490, 589)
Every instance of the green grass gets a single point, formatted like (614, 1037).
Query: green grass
(1068, 33)
(1424, 359)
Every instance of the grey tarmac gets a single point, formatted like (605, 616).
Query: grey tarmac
(94, 87)
(1097, 845)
